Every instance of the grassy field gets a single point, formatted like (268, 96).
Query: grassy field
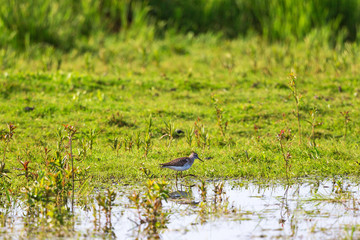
(231, 98)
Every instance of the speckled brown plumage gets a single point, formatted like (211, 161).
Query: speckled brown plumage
(176, 162)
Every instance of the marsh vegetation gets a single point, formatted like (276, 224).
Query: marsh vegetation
(87, 116)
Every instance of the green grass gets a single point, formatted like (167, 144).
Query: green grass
(116, 88)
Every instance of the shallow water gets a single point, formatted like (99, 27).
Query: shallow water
(308, 209)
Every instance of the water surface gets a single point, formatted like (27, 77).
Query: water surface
(308, 209)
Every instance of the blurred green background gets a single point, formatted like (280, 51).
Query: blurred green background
(68, 24)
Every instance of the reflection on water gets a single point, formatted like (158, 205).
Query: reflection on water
(211, 210)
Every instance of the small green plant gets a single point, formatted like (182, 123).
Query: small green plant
(202, 189)
(201, 135)
(148, 136)
(25, 168)
(282, 137)
(247, 156)
(71, 130)
(189, 135)
(220, 116)
(115, 144)
(83, 150)
(147, 144)
(203, 212)
(4, 171)
(48, 195)
(205, 138)
(313, 124)
(347, 119)
(338, 186)
(46, 154)
(219, 206)
(169, 131)
(5, 184)
(138, 140)
(146, 171)
(218, 193)
(6, 137)
(149, 205)
(106, 202)
(91, 136)
(197, 131)
(128, 143)
(60, 141)
(297, 98)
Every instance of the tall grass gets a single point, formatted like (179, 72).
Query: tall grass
(275, 19)
(44, 21)
(62, 23)
(288, 19)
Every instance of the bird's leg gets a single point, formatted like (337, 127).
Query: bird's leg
(181, 178)
(176, 179)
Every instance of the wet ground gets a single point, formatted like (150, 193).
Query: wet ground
(308, 209)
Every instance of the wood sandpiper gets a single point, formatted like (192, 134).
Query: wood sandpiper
(181, 164)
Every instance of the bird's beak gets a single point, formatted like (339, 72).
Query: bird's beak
(200, 159)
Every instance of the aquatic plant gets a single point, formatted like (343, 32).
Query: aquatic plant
(107, 202)
(203, 190)
(149, 206)
(71, 130)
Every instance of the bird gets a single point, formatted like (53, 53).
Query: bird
(181, 164)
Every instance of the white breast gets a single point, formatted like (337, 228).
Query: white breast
(179, 168)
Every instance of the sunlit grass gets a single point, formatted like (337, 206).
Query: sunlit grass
(253, 103)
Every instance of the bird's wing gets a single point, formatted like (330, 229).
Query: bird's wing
(176, 162)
